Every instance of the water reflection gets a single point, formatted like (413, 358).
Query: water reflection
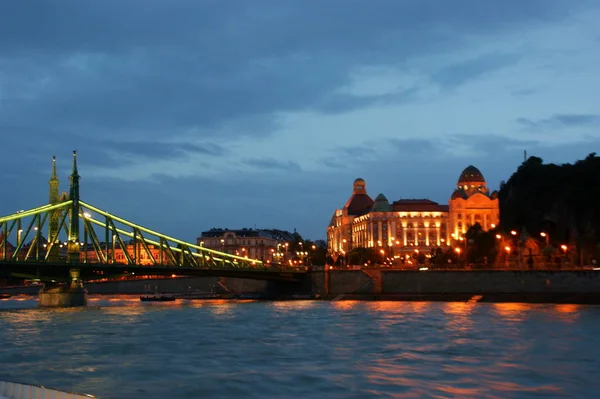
(293, 305)
(345, 305)
(305, 349)
(567, 313)
(512, 311)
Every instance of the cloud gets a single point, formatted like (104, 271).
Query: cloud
(414, 146)
(561, 121)
(273, 164)
(183, 105)
(462, 72)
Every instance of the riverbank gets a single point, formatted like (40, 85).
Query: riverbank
(558, 286)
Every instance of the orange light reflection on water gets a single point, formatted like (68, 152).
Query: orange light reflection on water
(344, 305)
(293, 305)
(512, 311)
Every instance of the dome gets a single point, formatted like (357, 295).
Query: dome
(360, 202)
(470, 175)
(359, 186)
(381, 204)
(460, 193)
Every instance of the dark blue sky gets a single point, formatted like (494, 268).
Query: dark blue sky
(189, 115)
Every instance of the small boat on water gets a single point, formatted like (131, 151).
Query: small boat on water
(157, 298)
(5, 296)
(16, 390)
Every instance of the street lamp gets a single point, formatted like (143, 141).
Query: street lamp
(564, 249)
(546, 236)
(507, 249)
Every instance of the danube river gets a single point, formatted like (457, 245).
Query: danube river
(120, 348)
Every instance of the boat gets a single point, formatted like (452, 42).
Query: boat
(16, 390)
(5, 296)
(157, 298)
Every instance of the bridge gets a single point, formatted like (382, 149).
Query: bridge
(85, 243)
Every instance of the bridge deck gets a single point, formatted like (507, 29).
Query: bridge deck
(92, 271)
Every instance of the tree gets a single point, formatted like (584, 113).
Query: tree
(560, 200)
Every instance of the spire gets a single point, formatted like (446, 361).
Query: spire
(54, 176)
(54, 183)
(74, 191)
(74, 172)
(73, 243)
(53, 231)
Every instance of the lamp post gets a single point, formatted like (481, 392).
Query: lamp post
(564, 249)
(458, 250)
(507, 249)
(546, 237)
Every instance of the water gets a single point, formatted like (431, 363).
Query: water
(122, 348)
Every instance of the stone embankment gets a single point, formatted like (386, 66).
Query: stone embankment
(558, 286)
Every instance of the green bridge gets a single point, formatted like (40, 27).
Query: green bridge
(85, 243)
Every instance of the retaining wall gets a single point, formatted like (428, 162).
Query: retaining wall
(493, 283)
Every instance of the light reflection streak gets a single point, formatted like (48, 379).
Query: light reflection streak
(344, 305)
(221, 307)
(293, 305)
(460, 313)
(512, 311)
(567, 313)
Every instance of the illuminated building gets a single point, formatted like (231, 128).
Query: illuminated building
(472, 203)
(116, 254)
(265, 245)
(411, 225)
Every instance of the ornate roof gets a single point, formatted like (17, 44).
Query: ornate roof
(359, 204)
(381, 204)
(418, 205)
(460, 193)
(470, 175)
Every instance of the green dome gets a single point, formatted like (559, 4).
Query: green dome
(381, 204)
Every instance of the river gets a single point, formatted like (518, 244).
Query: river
(118, 347)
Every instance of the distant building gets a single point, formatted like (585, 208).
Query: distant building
(116, 254)
(411, 225)
(262, 244)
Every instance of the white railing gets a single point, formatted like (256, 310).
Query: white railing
(14, 390)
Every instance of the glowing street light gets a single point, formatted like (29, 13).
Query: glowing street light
(513, 232)
(546, 236)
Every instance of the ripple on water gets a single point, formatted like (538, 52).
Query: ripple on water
(121, 348)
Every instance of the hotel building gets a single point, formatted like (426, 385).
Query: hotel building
(412, 225)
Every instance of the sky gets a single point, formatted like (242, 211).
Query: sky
(190, 115)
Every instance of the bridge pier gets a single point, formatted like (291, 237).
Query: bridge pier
(63, 296)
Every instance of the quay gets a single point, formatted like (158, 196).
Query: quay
(539, 286)
(528, 286)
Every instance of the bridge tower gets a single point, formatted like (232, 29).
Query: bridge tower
(54, 198)
(73, 245)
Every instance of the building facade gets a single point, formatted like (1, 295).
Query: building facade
(407, 226)
(264, 245)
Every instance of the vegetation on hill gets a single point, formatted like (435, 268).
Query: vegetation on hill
(562, 201)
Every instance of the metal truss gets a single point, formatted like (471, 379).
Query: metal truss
(107, 239)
